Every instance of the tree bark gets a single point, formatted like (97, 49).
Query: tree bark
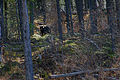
(17, 18)
(32, 16)
(1, 27)
(6, 31)
(86, 2)
(27, 45)
(70, 12)
(118, 14)
(59, 20)
(111, 16)
(44, 11)
(79, 7)
(93, 17)
(20, 18)
(67, 16)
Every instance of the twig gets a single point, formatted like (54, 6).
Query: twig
(93, 43)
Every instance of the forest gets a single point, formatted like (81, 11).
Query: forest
(59, 39)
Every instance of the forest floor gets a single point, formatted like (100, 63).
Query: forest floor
(51, 56)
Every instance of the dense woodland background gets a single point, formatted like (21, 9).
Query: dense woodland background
(59, 39)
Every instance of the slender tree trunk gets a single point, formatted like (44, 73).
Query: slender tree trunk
(31, 12)
(79, 7)
(27, 45)
(6, 32)
(110, 12)
(32, 16)
(20, 17)
(44, 11)
(86, 2)
(93, 17)
(17, 20)
(59, 20)
(118, 14)
(70, 12)
(67, 16)
(1, 28)
(71, 3)
(1, 20)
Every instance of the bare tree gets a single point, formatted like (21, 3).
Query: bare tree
(93, 18)
(59, 20)
(5, 20)
(111, 16)
(70, 13)
(1, 27)
(27, 45)
(32, 16)
(86, 3)
(20, 17)
(79, 7)
(67, 16)
(118, 13)
(44, 11)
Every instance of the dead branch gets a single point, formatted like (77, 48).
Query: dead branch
(83, 72)
(93, 43)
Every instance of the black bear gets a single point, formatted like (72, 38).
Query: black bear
(44, 29)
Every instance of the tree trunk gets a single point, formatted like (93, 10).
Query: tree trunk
(72, 5)
(67, 16)
(20, 17)
(1, 27)
(59, 20)
(86, 3)
(70, 12)
(6, 32)
(79, 7)
(1, 19)
(93, 17)
(118, 14)
(44, 11)
(17, 18)
(111, 16)
(32, 16)
(27, 45)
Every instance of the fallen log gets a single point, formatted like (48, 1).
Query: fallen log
(82, 72)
